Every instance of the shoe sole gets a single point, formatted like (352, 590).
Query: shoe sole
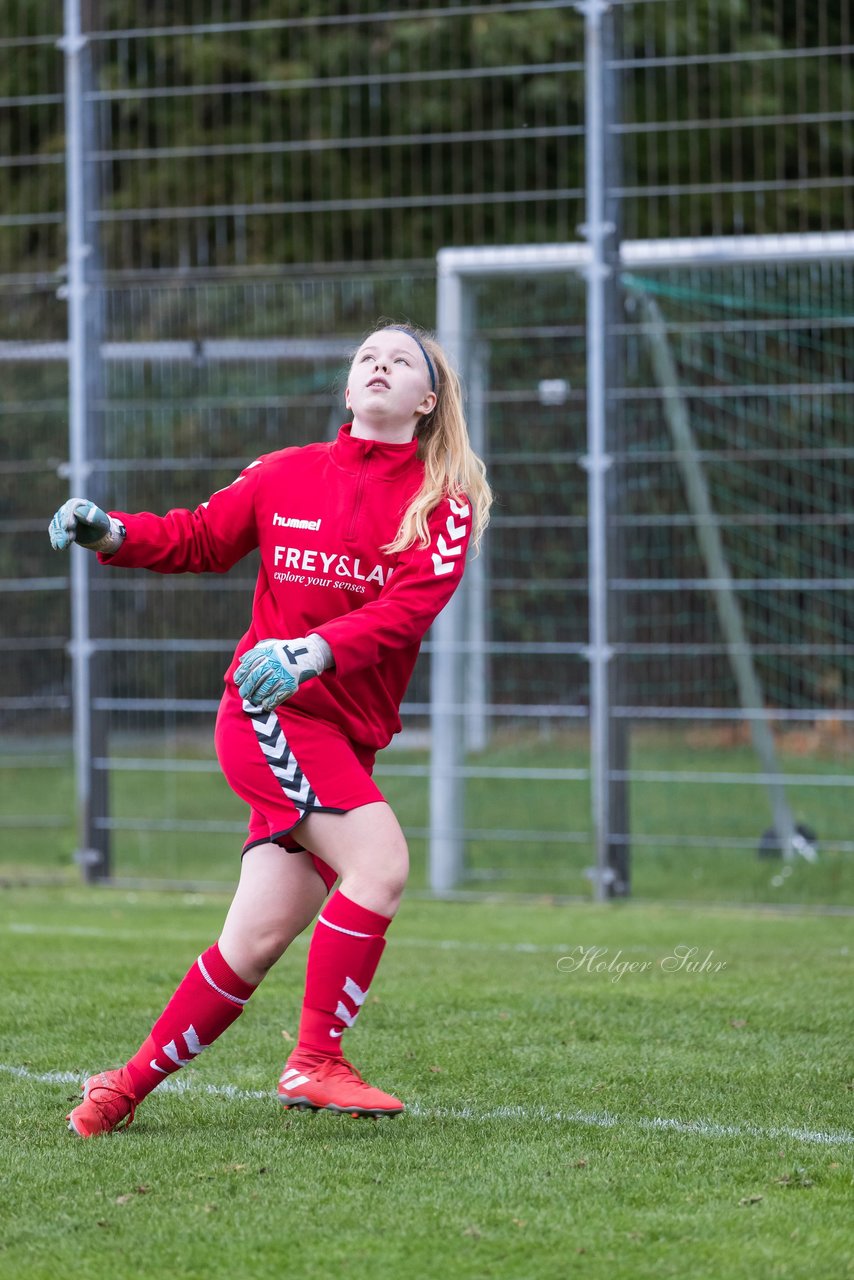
(84, 1089)
(79, 1133)
(96, 1133)
(371, 1113)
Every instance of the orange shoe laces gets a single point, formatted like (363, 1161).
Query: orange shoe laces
(341, 1067)
(111, 1107)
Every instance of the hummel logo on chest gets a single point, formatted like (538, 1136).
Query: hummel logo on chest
(290, 522)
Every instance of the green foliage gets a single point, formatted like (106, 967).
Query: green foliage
(334, 140)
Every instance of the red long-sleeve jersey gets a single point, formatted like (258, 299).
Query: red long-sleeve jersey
(320, 516)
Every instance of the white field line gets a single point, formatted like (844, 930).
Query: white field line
(594, 1119)
(24, 928)
(437, 944)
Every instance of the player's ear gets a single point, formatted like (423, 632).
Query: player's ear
(347, 395)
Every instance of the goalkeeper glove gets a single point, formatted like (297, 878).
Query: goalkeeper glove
(79, 520)
(272, 672)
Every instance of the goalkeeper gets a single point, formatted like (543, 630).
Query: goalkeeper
(363, 542)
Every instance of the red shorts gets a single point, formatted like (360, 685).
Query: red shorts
(286, 765)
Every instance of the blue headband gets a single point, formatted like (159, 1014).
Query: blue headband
(401, 328)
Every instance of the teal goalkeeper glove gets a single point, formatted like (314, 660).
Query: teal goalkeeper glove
(79, 520)
(272, 672)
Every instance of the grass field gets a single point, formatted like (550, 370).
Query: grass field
(563, 1121)
(675, 819)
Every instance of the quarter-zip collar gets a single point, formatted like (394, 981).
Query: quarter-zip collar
(387, 461)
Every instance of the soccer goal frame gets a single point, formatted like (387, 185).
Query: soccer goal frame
(458, 692)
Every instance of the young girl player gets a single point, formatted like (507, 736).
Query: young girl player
(362, 543)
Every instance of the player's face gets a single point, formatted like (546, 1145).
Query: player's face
(389, 383)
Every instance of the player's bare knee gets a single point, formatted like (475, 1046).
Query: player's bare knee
(396, 884)
(378, 882)
(267, 946)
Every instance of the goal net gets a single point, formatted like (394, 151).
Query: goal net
(730, 618)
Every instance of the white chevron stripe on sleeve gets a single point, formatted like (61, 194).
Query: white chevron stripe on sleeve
(440, 566)
(445, 550)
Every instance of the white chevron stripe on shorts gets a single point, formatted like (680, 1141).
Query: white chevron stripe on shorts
(282, 761)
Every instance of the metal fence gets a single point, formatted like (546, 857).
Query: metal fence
(245, 192)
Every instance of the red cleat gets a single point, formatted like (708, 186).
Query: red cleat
(108, 1099)
(332, 1084)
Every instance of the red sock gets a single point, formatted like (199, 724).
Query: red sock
(345, 950)
(205, 1004)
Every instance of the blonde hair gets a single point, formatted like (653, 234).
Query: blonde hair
(451, 467)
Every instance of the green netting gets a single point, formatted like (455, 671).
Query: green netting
(765, 365)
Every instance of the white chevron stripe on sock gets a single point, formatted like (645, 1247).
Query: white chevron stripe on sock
(355, 992)
(345, 1015)
(192, 1041)
(171, 1051)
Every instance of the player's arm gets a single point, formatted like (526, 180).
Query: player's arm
(421, 585)
(210, 539)
(81, 521)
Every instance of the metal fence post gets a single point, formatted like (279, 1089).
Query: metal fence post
(616, 501)
(597, 461)
(476, 585)
(446, 683)
(84, 358)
